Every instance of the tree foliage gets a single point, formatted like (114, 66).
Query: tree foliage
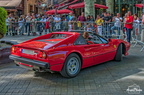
(3, 15)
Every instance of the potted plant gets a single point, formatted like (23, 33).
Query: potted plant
(3, 15)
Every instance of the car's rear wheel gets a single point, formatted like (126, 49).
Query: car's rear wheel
(118, 56)
(72, 66)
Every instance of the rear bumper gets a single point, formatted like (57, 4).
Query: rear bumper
(30, 61)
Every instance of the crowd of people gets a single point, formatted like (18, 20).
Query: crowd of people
(104, 24)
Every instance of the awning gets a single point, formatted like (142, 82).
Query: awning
(77, 5)
(10, 3)
(68, 4)
(81, 5)
(63, 11)
(139, 5)
(100, 6)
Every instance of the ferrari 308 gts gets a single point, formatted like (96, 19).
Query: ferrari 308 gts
(67, 52)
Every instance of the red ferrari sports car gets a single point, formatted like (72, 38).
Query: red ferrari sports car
(67, 52)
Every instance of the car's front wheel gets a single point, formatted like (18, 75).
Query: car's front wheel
(71, 66)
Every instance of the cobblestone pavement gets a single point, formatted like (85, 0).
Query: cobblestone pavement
(110, 78)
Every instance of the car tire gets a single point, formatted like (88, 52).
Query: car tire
(71, 66)
(118, 56)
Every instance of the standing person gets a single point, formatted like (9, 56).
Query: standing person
(81, 20)
(14, 25)
(124, 28)
(70, 27)
(34, 25)
(69, 17)
(27, 25)
(106, 28)
(11, 20)
(33, 15)
(82, 17)
(117, 24)
(129, 25)
(7, 25)
(94, 27)
(42, 21)
(57, 21)
(99, 21)
(92, 18)
(135, 25)
(47, 26)
(21, 25)
(74, 22)
(38, 23)
(88, 18)
(51, 25)
(109, 23)
(143, 18)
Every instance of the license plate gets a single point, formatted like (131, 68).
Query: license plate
(31, 52)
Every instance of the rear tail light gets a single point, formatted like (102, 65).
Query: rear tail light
(15, 49)
(42, 55)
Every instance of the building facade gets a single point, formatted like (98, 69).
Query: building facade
(15, 7)
(121, 6)
(19, 7)
(30, 6)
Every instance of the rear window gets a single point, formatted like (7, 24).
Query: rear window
(59, 36)
(55, 38)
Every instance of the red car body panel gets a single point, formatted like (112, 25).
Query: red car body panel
(57, 50)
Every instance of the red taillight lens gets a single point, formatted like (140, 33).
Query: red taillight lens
(15, 49)
(42, 55)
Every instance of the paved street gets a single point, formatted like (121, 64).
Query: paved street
(18, 38)
(110, 78)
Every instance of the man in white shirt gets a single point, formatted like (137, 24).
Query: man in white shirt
(117, 24)
(28, 22)
(57, 21)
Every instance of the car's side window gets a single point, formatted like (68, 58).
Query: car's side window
(80, 41)
(96, 40)
(103, 40)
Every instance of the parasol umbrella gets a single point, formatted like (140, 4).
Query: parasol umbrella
(64, 11)
(51, 12)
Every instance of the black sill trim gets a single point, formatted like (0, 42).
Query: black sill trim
(29, 61)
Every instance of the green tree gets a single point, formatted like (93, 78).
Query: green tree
(89, 7)
(110, 4)
(3, 15)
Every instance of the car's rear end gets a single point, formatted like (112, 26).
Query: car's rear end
(34, 53)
